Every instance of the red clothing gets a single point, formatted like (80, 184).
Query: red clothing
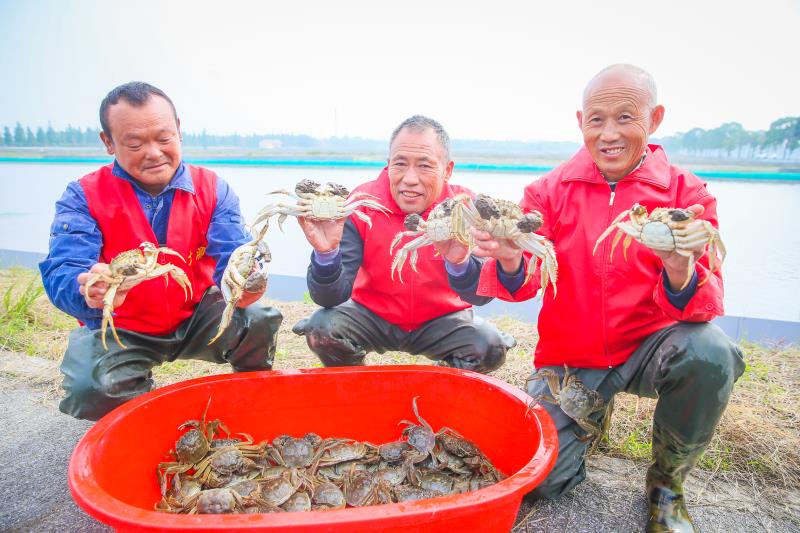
(606, 307)
(155, 307)
(423, 295)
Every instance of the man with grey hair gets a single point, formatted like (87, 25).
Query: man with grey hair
(363, 309)
(636, 322)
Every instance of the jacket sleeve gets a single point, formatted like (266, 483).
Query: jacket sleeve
(335, 289)
(226, 231)
(466, 285)
(706, 303)
(75, 244)
(489, 283)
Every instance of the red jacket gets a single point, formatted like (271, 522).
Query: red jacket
(155, 307)
(422, 296)
(606, 307)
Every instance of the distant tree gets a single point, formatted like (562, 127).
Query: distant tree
(19, 135)
(8, 140)
(40, 137)
(785, 132)
(50, 135)
(732, 136)
(30, 138)
(693, 140)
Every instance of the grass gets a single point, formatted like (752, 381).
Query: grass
(758, 438)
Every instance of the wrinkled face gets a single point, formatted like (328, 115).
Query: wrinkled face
(616, 121)
(418, 169)
(146, 141)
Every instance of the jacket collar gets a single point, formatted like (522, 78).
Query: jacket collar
(384, 192)
(654, 171)
(181, 180)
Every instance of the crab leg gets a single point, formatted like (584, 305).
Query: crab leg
(360, 214)
(399, 237)
(108, 317)
(399, 259)
(283, 209)
(369, 201)
(610, 228)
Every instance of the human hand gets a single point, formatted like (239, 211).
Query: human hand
(676, 265)
(95, 294)
(508, 254)
(452, 251)
(253, 289)
(322, 235)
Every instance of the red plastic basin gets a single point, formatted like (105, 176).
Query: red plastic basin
(112, 472)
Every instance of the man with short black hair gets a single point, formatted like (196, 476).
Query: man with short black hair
(148, 195)
(364, 309)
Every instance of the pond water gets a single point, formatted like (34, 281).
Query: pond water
(760, 222)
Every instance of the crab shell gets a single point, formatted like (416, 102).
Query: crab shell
(658, 235)
(576, 400)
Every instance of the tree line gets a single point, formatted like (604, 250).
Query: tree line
(25, 136)
(732, 140)
(726, 141)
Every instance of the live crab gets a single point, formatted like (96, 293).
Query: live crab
(332, 203)
(666, 230)
(505, 220)
(444, 223)
(128, 269)
(246, 271)
(577, 401)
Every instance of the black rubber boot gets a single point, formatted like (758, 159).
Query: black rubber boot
(672, 460)
(668, 510)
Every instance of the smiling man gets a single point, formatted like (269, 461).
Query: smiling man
(148, 194)
(637, 323)
(364, 310)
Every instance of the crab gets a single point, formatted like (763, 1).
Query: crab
(246, 271)
(505, 220)
(576, 400)
(332, 203)
(326, 496)
(130, 268)
(362, 488)
(445, 222)
(666, 230)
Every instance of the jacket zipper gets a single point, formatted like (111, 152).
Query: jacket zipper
(603, 273)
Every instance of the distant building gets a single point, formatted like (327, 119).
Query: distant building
(270, 144)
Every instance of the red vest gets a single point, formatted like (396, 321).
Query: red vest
(423, 295)
(154, 307)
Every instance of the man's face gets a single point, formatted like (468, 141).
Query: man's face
(418, 169)
(616, 121)
(146, 141)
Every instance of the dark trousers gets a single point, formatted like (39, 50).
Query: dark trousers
(97, 380)
(689, 367)
(343, 335)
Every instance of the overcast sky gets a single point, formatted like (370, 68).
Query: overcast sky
(493, 69)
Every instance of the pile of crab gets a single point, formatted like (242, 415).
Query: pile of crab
(213, 475)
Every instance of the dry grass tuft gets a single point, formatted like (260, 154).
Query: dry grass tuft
(758, 439)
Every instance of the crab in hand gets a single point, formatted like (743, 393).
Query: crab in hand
(576, 400)
(505, 220)
(667, 230)
(445, 222)
(128, 269)
(246, 272)
(332, 203)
